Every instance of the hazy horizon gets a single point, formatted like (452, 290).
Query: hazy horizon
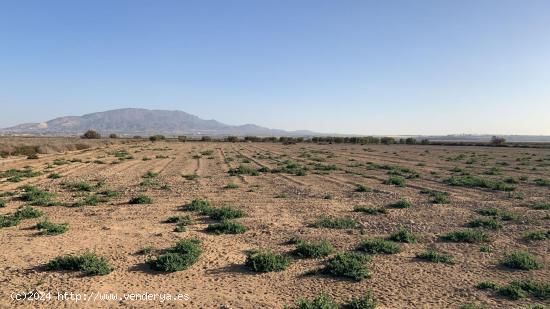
(348, 67)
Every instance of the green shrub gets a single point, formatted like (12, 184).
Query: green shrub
(306, 249)
(441, 198)
(520, 260)
(225, 213)
(180, 227)
(486, 285)
(436, 257)
(27, 212)
(8, 221)
(541, 206)
(395, 181)
(512, 291)
(334, 223)
(542, 182)
(78, 186)
(3, 202)
(495, 212)
(266, 261)
(485, 223)
(141, 199)
(226, 227)
(183, 255)
(472, 306)
(180, 219)
(150, 174)
(202, 206)
(537, 235)
(37, 197)
(403, 203)
(366, 301)
(48, 228)
(351, 265)
(322, 301)
(54, 176)
(370, 210)
(231, 186)
(88, 263)
(377, 245)
(469, 236)
(403, 235)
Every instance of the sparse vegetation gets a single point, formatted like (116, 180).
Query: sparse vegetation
(183, 255)
(334, 223)
(350, 265)
(469, 236)
(88, 263)
(306, 249)
(435, 256)
(376, 246)
(520, 260)
(141, 199)
(226, 227)
(404, 235)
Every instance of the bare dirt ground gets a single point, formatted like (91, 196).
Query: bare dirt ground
(278, 206)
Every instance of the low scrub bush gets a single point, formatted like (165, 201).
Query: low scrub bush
(434, 256)
(473, 182)
(266, 261)
(226, 227)
(199, 205)
(48, 228)
(88, 263)
(520, 260)
(375, 246)
(491, 224)
(183, 255)
(306, 249)
(351, 265)
(231, 186)
(180, 219)
(361, 188)
(37, 197)
(536, 235)
(395, 181)
(403, 203)
(541, 206)
(469, 236)
(334, 223)
(225, 213)
(141, 199)
(404, 235)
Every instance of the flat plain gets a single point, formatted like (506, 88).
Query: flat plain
(447, 218)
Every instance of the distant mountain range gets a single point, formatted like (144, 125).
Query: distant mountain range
(137, 121)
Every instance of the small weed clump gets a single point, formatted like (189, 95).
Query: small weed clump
(497, 213)
(518, 289)
(542, 182)
(183, 255)
(520, 260)
(3, 202)
(404, 235)
(48, 228)
(491, 224)
(351, 265)
(224, 213)
(78, 186)
(334, 223)
(403, 203)
(141, 199)
(375, 246)
(231, 186)
(536, 235)
(179, 219)
(469, 236)
(37, 197)
(226, 227)
(54, 176)
(199, 205)
(306, 249)
(266, 261)
(324, 301)
(395, 181)
(370, 210)
(88, 263)
(541, 206)
(434, 256)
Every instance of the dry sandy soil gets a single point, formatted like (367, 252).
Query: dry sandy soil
(278, 206)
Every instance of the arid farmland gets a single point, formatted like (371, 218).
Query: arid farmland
(417, 226)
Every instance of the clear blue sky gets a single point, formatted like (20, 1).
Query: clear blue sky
(367, 67)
